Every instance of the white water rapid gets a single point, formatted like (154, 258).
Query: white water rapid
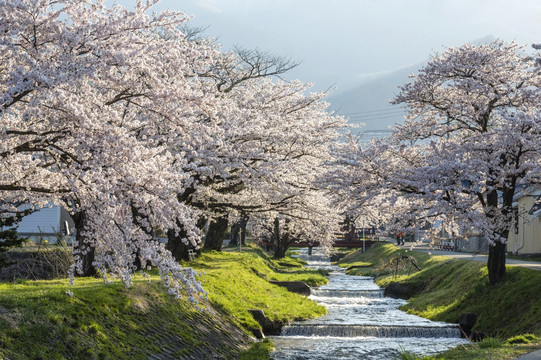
(360, 323)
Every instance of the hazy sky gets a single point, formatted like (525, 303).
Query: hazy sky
(342, 42)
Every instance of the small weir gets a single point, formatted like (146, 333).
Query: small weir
(370, 330)
(360, 323)
(374, 293)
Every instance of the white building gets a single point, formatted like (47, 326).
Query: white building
(525, 234)
(47, 224)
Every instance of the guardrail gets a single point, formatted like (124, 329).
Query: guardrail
(348, 244)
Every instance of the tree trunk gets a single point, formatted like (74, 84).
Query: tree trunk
(243, 223)
(238, 231)
(216, 234)
(276, 236)
(496, 252)
(82, 248)
(496, 263)
(201, 222)
(235, 229)
(179, 250)
(281, 249)
(281, 241)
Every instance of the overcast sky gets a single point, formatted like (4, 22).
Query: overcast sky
(342, 42)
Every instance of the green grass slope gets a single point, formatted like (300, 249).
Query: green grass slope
(237, 282)
(38, 320)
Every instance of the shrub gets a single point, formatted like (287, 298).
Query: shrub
(490, 343)
(522, 339)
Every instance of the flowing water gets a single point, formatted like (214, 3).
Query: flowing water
(360, 323)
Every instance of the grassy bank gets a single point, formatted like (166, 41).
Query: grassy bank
(445, 288)
(237, 282)
(38, 320)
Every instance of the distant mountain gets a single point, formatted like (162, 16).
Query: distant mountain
(368, 102)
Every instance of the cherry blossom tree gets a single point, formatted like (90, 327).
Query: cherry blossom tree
(281, 141)
(209, 153)
(116, 115)
(470, 138)
(267, 131)
(92, 101)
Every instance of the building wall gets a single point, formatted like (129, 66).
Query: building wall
(528, 239)
(474, 243)
(46, 221)
(47, 224)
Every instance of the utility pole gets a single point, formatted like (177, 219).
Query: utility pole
(363, 239)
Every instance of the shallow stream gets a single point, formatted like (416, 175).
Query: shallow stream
(360, 323)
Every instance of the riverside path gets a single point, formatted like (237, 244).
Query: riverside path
(535, 265)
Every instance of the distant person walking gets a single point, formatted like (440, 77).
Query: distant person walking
(400, 238)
